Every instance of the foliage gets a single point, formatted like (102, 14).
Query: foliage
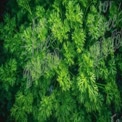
(59, 63)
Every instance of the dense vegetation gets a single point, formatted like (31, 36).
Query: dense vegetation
(61, 61)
